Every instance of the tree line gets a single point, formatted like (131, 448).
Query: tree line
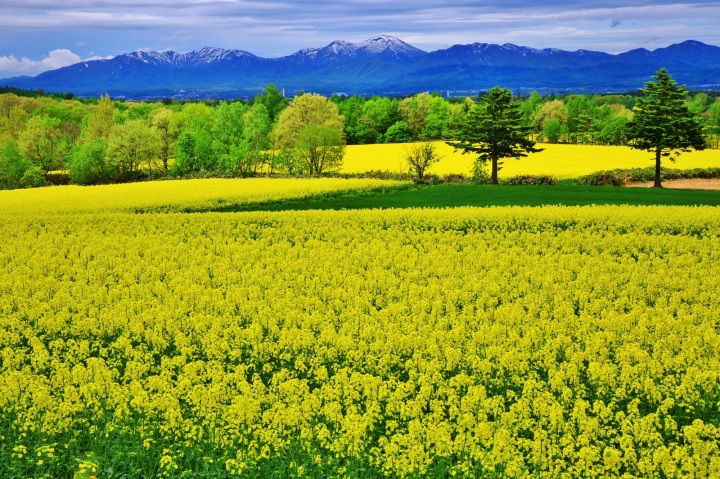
(105, 140)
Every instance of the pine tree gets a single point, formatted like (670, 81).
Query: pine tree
(663, 124)
(495, 130)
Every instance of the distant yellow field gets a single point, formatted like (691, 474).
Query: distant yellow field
(179, 195)
(561, 161)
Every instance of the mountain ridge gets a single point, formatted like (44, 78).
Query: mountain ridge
(380, 65)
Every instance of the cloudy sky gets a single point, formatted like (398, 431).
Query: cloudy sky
(39, 35)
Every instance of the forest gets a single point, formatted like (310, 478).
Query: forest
(46, 138)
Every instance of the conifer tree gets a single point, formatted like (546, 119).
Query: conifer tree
(663, 124)
(495, 130)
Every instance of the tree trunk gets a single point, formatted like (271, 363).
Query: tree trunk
(657, 168)
(494, 172)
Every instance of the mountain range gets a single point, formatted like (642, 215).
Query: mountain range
(382, 65)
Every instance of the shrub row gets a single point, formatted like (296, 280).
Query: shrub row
(620, 177)
(529, 180)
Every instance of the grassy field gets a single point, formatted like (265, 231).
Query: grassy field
(453, 195)
(560, 161)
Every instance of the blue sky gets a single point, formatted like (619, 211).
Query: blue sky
(39, 35)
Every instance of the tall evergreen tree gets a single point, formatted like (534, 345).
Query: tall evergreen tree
(495, 130)
(663, 124)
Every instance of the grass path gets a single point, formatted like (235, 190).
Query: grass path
(453, 195)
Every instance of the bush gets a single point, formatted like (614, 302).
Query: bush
(530, 180)
(34, 177)
(620, 177)
(58, 178)
(605, 178)
(480, 174)
(455, 178)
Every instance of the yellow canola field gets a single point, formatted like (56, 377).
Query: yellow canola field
(560, 161)
(545, 342)
(174, 195)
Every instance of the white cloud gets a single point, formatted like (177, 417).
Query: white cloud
(11, 66)
(96, 57)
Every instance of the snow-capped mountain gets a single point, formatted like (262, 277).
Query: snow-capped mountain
(383, 47)
(379, 65)
(205, 56)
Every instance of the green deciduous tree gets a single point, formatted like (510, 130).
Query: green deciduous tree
(553, 130)
(101, 120)
(420, 157)
(553, 111)
(193, 149)
(321, 148)
(713, 122)
(399, 132)
(663, 124)
(228, 152)
(273, 100)
(88, 165)
(12, 166)
(256, 138)
(39, 143)
(312, 125)
(160, 119)
(130, 145)
(414, 110)
(378, 114)
(494, 130)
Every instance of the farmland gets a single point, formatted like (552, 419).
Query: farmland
(460, 342)
(560, 161)
(196, 195)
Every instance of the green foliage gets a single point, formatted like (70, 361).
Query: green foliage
(256, 140)
(33, 177)
(436, 119)
(378, 115)
(399, 132)
(553, 130)
(414, 111)
(12, 167)
(713, 123)
(288, 161)
(481, 172)
(420, 157)
(621, 177)
(184, 155)
(39, 143)
(494, 130)
(663, 124)
(101, 120)
(613, 131)
(320, 148)
(88, 165)
(161, 120)
(130, 146)
(312, 125)
(234, 139)
(226, 137)
(273, 101)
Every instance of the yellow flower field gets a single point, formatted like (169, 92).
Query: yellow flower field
(561, 161)
(178, 195)
(547, 342)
